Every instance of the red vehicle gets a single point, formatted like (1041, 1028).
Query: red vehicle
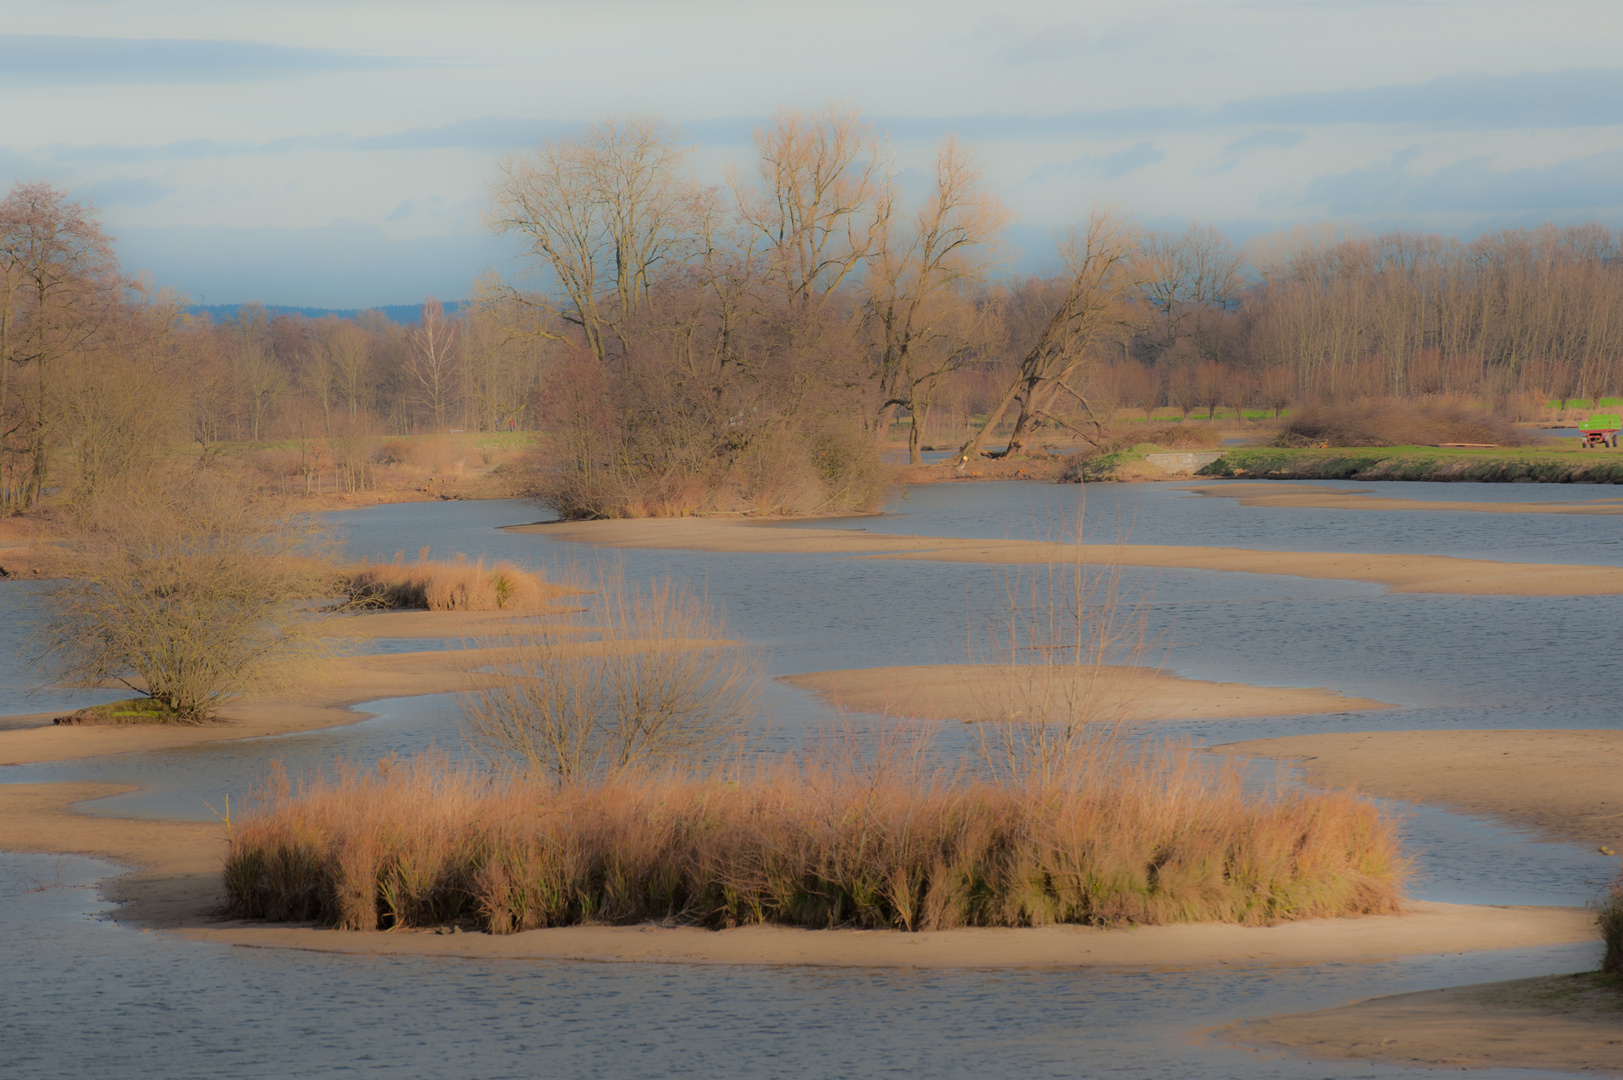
(1600, 431)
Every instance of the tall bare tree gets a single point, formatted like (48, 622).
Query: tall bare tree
(432, 360)
(58, 283)
(824, 200)
(602, 211)
(922, 322)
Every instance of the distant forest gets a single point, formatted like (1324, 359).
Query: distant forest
(688, 347)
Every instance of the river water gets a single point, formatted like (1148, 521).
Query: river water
(79, 993)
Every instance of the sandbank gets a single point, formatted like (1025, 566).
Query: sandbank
(1562, 784)
(1320, 497)
(972, 692)
(1566, 1022)
(1399, 573)
(177, 889)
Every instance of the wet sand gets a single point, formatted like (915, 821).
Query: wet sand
(972, 692)
(1561, 1022)
(176, 888)
(1399, 573)
(1566, 785)
(1319, 497)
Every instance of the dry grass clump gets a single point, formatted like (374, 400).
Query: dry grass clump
(1610, 918)
(458, 585)
(1172, 436)
(1395, 422)
(846, 837)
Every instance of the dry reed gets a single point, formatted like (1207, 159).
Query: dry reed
(1609, 916)
(855, 835)
(458, 585)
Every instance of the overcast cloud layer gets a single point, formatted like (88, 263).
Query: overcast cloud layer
(336, 154)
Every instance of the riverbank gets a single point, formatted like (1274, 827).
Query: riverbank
(1398, 573)
(1315, 497)
(1493, 465)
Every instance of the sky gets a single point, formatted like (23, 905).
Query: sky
(338, 154)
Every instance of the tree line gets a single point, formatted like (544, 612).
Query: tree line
(748, 345)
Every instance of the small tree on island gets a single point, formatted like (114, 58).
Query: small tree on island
(188, 595)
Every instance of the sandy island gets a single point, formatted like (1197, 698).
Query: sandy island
(1566, 785)
(1565, 1022)
(177, 889)
(972, 692)
(1399, 573)
(1322, 497)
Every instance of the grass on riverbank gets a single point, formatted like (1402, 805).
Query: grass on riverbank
(458, 585)
(843, 837)
(1480, 464)
(138, 710)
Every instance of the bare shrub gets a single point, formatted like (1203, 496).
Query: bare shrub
(868, 835)
(1393, 422)
(459, 585)
(1059, 631)
(188, 594)
(635, 676)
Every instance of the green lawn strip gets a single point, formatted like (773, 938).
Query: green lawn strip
(1486, 465)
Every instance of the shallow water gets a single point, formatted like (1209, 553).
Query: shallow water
(83, 996)
(75, 990)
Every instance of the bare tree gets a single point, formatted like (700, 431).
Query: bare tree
(603, 212)
(432, 360)
(824, 201)
(1099, 271)
(58, 283)
(187, 595)
(923, 324)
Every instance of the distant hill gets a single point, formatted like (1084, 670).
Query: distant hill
(404, 314)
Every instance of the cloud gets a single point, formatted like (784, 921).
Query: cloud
(132, 192)
(1461, 102)
(1472, 185)
(339, 265)
(1273, 139)
(1125, 161)
(52, 59)
(1110, 166)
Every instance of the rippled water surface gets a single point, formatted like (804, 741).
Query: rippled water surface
(78, 992)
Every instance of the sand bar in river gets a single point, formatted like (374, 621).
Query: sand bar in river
(1561, 1022)
(1567, 785)
(1399, 573)
(972, 692)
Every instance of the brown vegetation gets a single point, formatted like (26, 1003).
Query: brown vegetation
(1395, 422)
(852, 836)
(631, 676)
(1610, 918)
(448, 586)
